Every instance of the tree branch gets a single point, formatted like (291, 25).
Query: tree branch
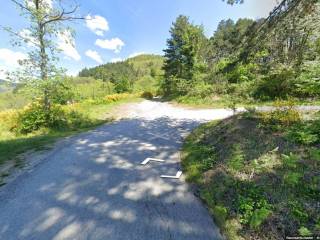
(19, 4)
(19, 35)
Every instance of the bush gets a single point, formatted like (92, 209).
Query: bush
(147, 95)
(252, 205)
(108, 99)
(116, 97)
(308, 83)
(34, 117)
(201, 90)
(306, 133)
(284, 114)
(277, 84)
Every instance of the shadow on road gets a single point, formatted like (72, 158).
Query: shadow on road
(95, 188)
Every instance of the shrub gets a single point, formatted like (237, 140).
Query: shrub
(147, 95)
(237, 158)
(303, 231)
(34, 117)
(278, 83)
(258, 217)
(308, 83)
(123, 85)
(201, 90)
(220, 214)
(290, 161)
(116, 97)
(284, 114)
(307, 133)
(252, 205)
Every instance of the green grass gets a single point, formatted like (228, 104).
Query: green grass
(10, 100)
(224, 102)
(258, 181)
(13, 145)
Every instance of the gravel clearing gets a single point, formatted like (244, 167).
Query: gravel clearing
(151, 110)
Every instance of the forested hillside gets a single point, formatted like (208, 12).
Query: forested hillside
(247, 60)
(139, 73)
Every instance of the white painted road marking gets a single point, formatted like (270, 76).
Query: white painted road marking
(177, 176)
(151, 159)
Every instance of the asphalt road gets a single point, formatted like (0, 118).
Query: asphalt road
(92, 186)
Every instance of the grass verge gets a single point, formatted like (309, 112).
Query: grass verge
(259, 180)
(12, 145)
(226, 102)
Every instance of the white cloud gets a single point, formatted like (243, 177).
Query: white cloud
(97, 24)
(3, 74)
(114, 60)
(66, 43)
(94, 55)
(47, 4)
(136, 54)
(72, 72)
(11, 58)
(26, 34)
(114, 44)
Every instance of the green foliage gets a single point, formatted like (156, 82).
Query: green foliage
(307, 133)
(237, 158)
(259, 216)
(141, 73)
(259, 180)
(123, 85)
(292, 178)
(290, 161)
(298, 212)
(252, 206)
(303, 231)
(315, 154)
(284, 114)
(147, 95)
(35, 117)
(182, 66)
(220, 214)
(308, 82)
(277, 84)
(201, 89)
(60, 91)
(249, 60)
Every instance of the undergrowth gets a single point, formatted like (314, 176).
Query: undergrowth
(259, 173)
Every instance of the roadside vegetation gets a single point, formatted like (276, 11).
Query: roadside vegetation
(30, 128)
(41, 103)
(258, 172)
(247, 61)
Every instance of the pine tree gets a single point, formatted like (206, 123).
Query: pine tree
(183, 56)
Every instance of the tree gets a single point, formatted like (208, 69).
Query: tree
(184, 55)
(45, 18)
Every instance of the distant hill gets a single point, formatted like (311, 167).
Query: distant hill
(138, 73)
(5, 86)
(132, 68)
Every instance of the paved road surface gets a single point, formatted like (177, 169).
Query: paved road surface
(92, 186)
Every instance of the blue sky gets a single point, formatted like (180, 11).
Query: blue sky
(119, 29)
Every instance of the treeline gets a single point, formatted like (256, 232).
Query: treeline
(271, 58)
(134, 74)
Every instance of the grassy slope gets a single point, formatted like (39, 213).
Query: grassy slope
(256, 183)
(11, 145)
(224, 102)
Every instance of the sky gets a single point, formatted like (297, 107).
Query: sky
(115, 30)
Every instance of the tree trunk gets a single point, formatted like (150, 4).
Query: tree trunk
(43, 58)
